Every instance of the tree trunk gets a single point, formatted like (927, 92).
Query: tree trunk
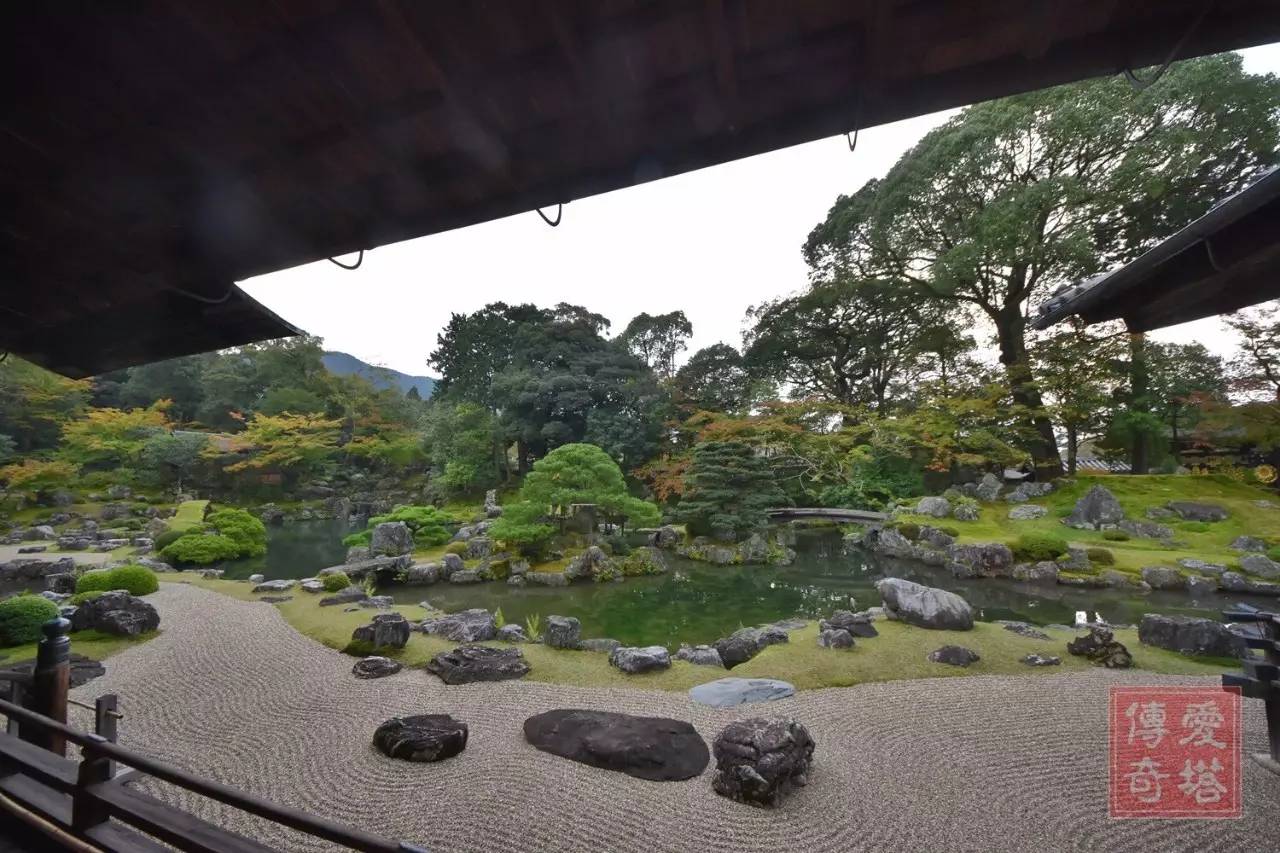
(1073, 447)
(1139, 384)
(1010, 330)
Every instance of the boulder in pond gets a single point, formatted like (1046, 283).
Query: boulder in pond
(470, 664)
(1163, 577)
(1101, 647)
(954, 656)
(422, 574)
(1190, 636)
(637, 659)
(835, 638)
(546, 579)
(653, 748)
(699, 655)
(760, 761)
(1198, 511)
(391, 539)
(469, 626)
(422, 737)
(375, 666)
(730, 692)
(1097, 510)
(386, 631)
(117, 613)
(562, 632)
(1043, 572)
(924, 606)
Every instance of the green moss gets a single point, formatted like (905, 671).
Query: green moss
(1194, 526)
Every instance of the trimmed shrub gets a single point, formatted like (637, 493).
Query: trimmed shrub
(1101, 556)
(21, 618)
(138, 580)
(81, 597)
(97, 580)
(459, 548)
(201, 549)
(909, 529)
(336, 581)
(243, 528)
(359, 539)
(1037, 547)
(1115, 536)
(167, 538)
(1274, 553)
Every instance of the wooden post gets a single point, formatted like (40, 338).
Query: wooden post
(105, 722)
(50, 682)
(86, 810)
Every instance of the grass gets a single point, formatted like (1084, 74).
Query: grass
(91, 644)
(898, 653)
(1136, 494)
(189, 514)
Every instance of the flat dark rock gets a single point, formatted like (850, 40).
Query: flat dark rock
(653, 748)
(468, 664)
(424, 737)
(375, 666)
(83, 669)
(954, 655)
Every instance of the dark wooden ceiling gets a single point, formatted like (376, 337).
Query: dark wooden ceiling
(154, 150)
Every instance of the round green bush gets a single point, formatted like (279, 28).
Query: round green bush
(1274, 553)
(459, 548)
(201, 549)
(243, 528)
(137, 580)
(97, 580)
(1115, 536)
(910, 530)
(21, 618)
(1101, 556)
(336, 581)
(1037, 547)
(167, 538)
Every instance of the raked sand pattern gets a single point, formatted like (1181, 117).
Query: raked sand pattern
(984, 764)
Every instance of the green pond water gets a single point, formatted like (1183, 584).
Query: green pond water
(697, 603)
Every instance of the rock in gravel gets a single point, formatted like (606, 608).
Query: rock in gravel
(562, 632)
(954, 656)
(386, 631)
(857, 624)
(1041, 660)
(117, 613)
(1197, 511)
(424, 737)
(1024, 630)
(699, 655)
(637, 659)
(924, 606)
(375, 666)
(1190, 636)
(1027, 512)
(1248, 543)
(469, 664)
(760, 761)
(1097, 510)
(468, 626)
(730, 692)
(350, 595)
(835, 638)
(653, 748)
(1100, 646)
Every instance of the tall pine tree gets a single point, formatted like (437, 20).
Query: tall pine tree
(727, 491)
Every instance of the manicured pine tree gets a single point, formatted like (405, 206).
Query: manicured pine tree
(727, 491)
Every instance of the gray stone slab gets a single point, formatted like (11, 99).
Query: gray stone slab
(731, 692)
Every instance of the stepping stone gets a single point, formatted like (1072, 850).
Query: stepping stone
(954, 655)
(760, 761)
(653, 748)
(730, 692)
(375, 666)
(424, 737)
(469, 664)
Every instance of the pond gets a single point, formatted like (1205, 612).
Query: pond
(295, 550)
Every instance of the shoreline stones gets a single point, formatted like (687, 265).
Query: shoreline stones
(923, 606)
(760, 761)
(469, 664)
(653, 748)
(350, 595)
(729, 692)
(637, 659)
(375, 666)
(422, 738)
(745, 643)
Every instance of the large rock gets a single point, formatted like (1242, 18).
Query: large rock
(835, 638)
(386, 631)
(1261, 565)
(1201, 587)
(699, 655)
(923, 606)
(117, 613)
(1248, 543)
(1101, 647)
(391, 539)
(282, 585)
(637, 659)
(989, 489)
(512, 633)
(422, 574)
(665, 537)
(479, 547)
(652, 748)
(347, 595)
(1146, 529)
(934, 506)
(424, 737)
(761, 761)
(491, 508)
(546, 579)
(1027, 512)
(375, 666)
(1027, 490)
(1235, 582)
(469, 664)
(980, 560)
(1197, 511)
(1163, 577)
(469, 626)
(82, 670)
(1097, 510)
(449, 564)
(1190, 636)
(601, 644)
(562, 632)
(954, 656)
(1043, 572)
(1204, 568)
(591, 564)
(857, 624)
(730, 692)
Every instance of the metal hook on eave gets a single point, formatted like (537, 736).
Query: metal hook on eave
(857, 123)
(1138, 83)
(853, 142)
(547, 219)
(355, 266)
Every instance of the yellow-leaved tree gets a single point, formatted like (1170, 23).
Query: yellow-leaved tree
(294, 443)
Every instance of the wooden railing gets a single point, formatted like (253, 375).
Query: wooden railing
(1261, 679)
(88, 802)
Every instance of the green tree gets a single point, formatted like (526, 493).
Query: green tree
(657, 340)
(714, 379)
(35, 404)
(1256, 373)
(727, 490)
(172, 457)
(1183, 377)
(295, 443)
(1079, 373)
(1015, 196)
(113, 436)
(474, 348)
(180, 380)
(465, 446)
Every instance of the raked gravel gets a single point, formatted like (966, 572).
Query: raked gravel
(230, 691)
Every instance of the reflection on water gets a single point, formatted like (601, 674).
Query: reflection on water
(697, 603)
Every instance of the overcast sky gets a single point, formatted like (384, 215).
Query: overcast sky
(710, 243)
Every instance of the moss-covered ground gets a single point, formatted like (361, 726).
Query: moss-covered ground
(188, 515)
(91, 644)
(1198, 540)
(900, 652)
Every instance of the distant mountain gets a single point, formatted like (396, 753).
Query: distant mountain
(382, 377)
